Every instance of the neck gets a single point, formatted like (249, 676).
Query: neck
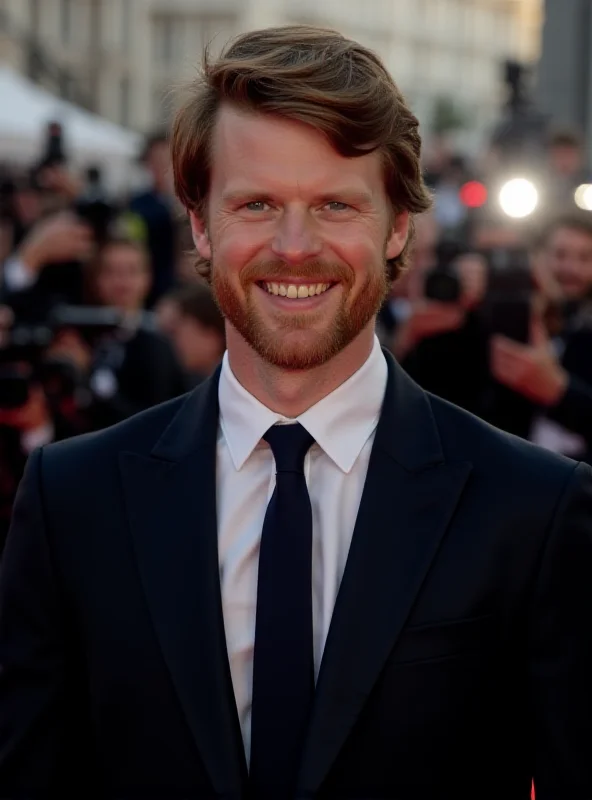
(291, 393)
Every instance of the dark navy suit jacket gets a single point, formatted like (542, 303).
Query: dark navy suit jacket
(459, 659)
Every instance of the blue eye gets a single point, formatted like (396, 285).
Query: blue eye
(336, 205)
(257, 205)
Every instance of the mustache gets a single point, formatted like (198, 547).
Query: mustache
(315, 271)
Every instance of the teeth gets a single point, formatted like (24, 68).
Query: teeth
(294, 291)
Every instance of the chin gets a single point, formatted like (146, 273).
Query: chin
(298, 350)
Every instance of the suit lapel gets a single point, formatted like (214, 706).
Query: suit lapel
(171, 506)
(407, 503)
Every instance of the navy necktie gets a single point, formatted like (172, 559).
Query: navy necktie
(283, 668)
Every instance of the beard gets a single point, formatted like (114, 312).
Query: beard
(300, 341)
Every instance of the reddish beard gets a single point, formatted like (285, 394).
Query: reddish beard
(281, 346)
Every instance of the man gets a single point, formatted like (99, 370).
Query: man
(154, 208)
(191, 319)
(176, 621)
(556, 374)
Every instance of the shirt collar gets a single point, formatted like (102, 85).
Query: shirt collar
(341, 423)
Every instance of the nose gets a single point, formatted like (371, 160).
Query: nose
(296, 239)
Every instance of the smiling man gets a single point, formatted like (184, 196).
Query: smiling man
(308, 578)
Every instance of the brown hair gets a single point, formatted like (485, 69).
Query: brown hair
(565, 138)
(580, 221)
(310, 75)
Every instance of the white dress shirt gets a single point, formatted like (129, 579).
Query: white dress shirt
(343, 426)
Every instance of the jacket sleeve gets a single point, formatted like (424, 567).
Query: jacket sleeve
(42, 733)
(560, 649)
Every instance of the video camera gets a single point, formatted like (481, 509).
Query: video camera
(24, 359)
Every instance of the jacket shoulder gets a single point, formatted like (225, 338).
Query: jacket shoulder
(465, 437)
(87, 452)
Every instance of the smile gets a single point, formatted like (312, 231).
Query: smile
(295, 291)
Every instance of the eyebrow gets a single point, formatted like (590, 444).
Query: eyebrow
(236, 198)
(353, 196)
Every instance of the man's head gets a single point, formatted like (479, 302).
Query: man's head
(120, 276)
(299, 162)
(157, 159)
(193, 321)
(566, 251)
(566, 154)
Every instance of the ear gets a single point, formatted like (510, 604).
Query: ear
(201, 238)
(399, 235)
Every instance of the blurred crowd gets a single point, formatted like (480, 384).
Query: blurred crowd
(102, 313)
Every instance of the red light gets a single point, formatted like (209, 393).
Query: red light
(473, 194)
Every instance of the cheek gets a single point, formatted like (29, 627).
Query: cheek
(364, 253)
(237, 245)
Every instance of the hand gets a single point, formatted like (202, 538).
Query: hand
(70, 345)
(59, 180)
(530, 370)
(59, 238)
(428, 318)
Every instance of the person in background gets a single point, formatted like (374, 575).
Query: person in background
(155, 208)
(567, 169)
(133, 367)
(554, 371)
(46, 269)
(439, 344)
(192, 320)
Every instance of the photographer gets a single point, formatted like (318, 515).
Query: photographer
(32, 412)
(439, 341)
(554, 371)
(129, 366)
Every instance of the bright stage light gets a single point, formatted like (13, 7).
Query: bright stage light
(518, 198)
(583, 196)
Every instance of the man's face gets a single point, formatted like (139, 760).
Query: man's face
(158, 162)
(123, 281)
(566, 160)
(569, 258)
(298, 237)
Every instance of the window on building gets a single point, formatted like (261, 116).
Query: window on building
(214, 32)
(66, 20)
(35, 15)
(124, 101)
(164, 39)
(162, 106)
(126, 22)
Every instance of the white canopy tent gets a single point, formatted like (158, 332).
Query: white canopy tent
(25, 111)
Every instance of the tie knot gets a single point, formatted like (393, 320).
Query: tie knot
(289, 445)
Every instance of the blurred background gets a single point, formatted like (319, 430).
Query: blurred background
(101, 312)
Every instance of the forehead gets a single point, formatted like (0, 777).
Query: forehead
(116, 254)
(571, 237)
(275, 154)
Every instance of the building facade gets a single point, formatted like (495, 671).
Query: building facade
(122, 58)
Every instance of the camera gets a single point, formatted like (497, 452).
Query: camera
(442, 282)
(24, 359)
(508, 307)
